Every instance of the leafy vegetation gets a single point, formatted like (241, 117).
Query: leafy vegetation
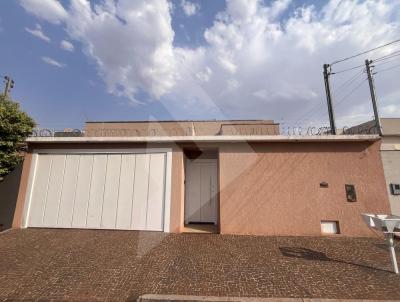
(15, 126)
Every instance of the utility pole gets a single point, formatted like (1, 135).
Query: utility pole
(327, 73)
(9, 85)
(373, 96)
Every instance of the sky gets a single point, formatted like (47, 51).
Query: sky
(74, 61)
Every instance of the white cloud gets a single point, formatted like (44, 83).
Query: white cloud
(66, 45)
(53, 62)
(131, 42)
(391, 110)
(254, 63)
(49, 10)
(189, 8)
(256, 58)
(204, 75)
(38, 33)
(277, 8)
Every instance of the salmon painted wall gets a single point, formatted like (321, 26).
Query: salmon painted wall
(23, 185)
(274, 188)
(177, 191)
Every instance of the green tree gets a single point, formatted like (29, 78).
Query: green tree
(15, 127)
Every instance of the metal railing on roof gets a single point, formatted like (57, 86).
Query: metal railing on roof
(45, 132)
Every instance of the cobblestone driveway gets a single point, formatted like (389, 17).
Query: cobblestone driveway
(89, 265)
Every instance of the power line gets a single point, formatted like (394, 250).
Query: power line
(387, 69)
(337, 104)
(349, 81)
(309, 113)
(318, 108)
(385, 62)
(351, 92)
(364, 52)
(348, 69)
(388, 57)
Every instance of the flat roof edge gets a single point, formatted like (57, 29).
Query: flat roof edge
(211, 139)
(179, 121)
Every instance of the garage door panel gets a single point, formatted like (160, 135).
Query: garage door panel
(111, 190)
(140, 192)
(39, 193)
(82, 191)
(68, 191)
(156, 192)
(103, 190)
(54, 190)
(97, 191)
(125, 198)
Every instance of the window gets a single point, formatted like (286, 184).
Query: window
(330, 227)
(395, 189)
(351, 193)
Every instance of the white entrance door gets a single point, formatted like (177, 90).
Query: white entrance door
(201, 191)
(99, 191)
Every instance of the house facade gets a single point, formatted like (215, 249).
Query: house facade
(230, 177)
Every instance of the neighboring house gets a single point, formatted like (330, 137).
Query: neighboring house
(390, 152)
(241, 177)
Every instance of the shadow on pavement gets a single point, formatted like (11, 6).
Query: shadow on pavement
(308, 254)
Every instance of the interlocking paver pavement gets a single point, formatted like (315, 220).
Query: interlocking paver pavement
(93, 265)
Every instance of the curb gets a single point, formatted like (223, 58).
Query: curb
(183, 298)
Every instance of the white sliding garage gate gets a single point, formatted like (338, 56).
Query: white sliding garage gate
(100, 190)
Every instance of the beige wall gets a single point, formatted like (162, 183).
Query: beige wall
(274, 189)
(182, 128)
(391, 163)
(390, 152)
(390, 126)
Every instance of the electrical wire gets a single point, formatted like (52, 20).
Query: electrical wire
(386, 58)
(310, 113)
(364, 52)
(318, 108)
(385, 62)
(387, 69)
(337, 104)
(351, 92)
(359, 73)
(348, 69)
(349, 81)
(387, 55)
